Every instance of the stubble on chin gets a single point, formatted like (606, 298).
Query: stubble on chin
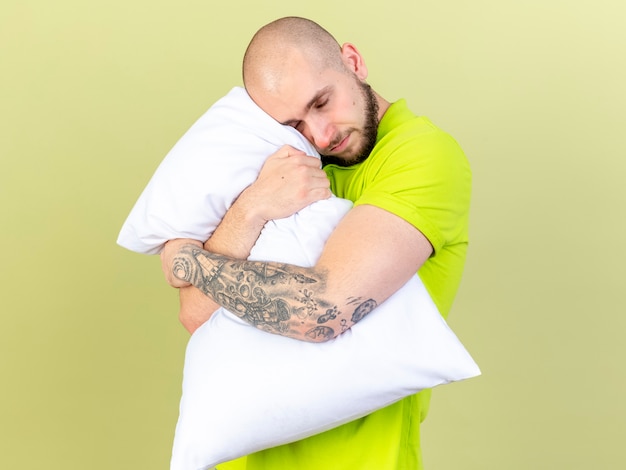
(349, 158)
(367, 135)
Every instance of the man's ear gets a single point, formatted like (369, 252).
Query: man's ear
(353, 60)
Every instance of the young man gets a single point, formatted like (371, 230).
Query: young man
(410, 183)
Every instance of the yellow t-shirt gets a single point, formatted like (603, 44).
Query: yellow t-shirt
(419, 173)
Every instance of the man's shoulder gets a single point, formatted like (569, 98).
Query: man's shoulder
(416, 142)
(400, 127)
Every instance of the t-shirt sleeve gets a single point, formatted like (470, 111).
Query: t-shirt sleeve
(426, 181)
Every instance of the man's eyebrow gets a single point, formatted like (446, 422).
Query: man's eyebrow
(309, 105)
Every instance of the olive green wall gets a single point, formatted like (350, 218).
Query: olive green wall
(94, 93)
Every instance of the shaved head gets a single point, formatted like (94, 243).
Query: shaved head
(297, 73)
(276, 46)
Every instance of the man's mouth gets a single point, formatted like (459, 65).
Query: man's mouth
(343, 143)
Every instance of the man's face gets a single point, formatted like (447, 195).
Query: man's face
(334, 110)
(364, 137)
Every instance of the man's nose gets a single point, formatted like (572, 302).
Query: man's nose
(320, 133)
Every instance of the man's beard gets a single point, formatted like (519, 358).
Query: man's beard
(369, 131)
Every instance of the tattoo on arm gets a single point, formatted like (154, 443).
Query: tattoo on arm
(320, 332)
(362, 310)
(277, 298)
(330, 314)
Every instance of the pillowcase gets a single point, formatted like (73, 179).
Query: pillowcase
(217, 158)
(245, 390)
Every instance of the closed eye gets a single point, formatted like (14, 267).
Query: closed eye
(293, 123)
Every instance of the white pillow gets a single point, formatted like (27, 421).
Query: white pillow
(245, 390)
(196, 183)
(237, 398)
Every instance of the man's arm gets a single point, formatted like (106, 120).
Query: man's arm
(369, 256)
(288, 181)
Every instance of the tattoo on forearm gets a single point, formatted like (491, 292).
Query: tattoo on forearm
(330, 314)
(308, 301)
(363, 309)
(318, 332)
(274, 297)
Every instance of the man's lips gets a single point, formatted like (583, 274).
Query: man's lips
(341, 145)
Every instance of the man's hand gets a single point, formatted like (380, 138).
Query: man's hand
(167, 260)
(289, 181)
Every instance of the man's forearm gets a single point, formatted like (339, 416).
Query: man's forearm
(278, 298)
(235, 237)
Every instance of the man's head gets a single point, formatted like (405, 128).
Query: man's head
(298, 73)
